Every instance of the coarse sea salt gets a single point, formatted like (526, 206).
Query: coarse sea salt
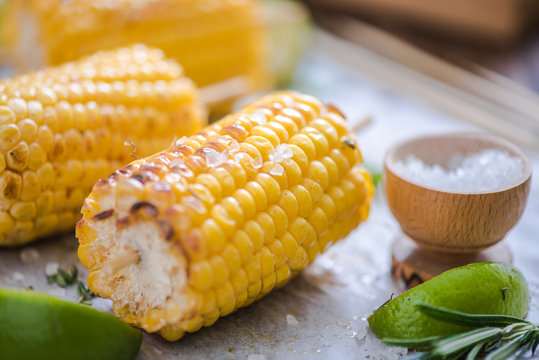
(481, 171)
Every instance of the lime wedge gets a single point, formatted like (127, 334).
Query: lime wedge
(38, 326)
(480, 288)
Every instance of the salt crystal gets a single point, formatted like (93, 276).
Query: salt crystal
(481, 171)
(259, 117)
(233, 144)
(360, 334)
(256, 357)
(17, 276)
(177, 163)
(102, 304)
(237, 157)
(277, 170)
(257, 162)
(291, 320)
(51, 268)
(343, 322)
(282, 151)
(214, 157)
(29, 255)
(181, 140)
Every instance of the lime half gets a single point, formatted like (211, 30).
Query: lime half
(480, 288)
(38, 326)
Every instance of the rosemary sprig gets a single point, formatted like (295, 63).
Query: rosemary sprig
(496, 337)
(63, 278)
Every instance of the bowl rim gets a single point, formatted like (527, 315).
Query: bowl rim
(471, 135)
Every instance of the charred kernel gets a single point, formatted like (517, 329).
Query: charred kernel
(103, 215)
(146, 207)
(10, 185)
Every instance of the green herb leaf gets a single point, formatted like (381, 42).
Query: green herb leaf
(423, 343)
(62, 278)
(60, 281)
(535, 342)
(464, 319)
(472, 354)
(466, 340)
(510, 348)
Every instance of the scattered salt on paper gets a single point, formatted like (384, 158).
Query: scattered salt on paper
(29, 255)
(17, 276)
(291, 320)
(256, 357)
(51, 268)
(484, 170)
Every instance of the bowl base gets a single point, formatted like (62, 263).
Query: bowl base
(414, 265)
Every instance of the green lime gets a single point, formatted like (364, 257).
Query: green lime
(38, 326)
(480, 288)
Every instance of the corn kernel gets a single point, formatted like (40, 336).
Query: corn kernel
(220, 270)
(201, 275)
(17, 157)
(7, 223)
(31, 186)
(35, 112)
(18, 106)
(10, 185)
(28, 130)
(24, 210)
(9, 136)
(7, 116)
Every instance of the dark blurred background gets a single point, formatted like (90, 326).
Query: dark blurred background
(499, 35)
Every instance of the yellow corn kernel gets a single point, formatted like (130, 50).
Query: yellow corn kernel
(7, 116)
(9, 136)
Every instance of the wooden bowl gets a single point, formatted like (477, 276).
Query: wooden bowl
(453, 221)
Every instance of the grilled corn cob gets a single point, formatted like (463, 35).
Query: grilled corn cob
(63, 128)
(214, 40)
(221, 218)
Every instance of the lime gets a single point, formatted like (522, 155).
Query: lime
(480, 288)
(38, 326)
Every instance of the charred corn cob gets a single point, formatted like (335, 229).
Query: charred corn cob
(63, 128)
(214, 40)
(221, 218)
